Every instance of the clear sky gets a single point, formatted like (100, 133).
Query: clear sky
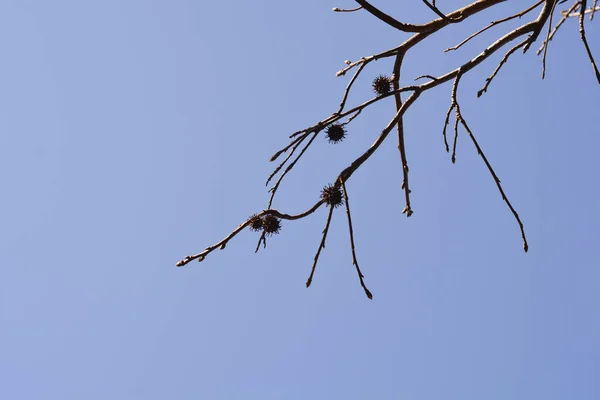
(134, 133)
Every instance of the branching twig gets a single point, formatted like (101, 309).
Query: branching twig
(221, 245)
(389, 20)
(564, 17)
(297, 142)
(453, 104)
(273, 190)
(594, 9)
(502, 62)
(436, 10)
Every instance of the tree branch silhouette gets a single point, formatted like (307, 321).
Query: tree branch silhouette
(334, 126)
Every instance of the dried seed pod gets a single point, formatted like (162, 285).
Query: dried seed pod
(382, 85)
(271, 225)
(335, 133)
(332, 195)
(256, 223)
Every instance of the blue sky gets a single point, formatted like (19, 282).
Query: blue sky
(133, 133)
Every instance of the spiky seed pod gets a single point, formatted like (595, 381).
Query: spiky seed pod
(332, 195)
(382, 85)
(335, 133)
(271, 225)
(256, 223)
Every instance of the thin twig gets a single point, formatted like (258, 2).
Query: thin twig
(493, 173)
(221, 245)
(425, 76)
(291, 144)
(494, 23)
(588, 11)
(352, 117)
(321, 246)
(502, 62)
(564, 17)
(297, 143)
(390, 20)
(347, 91)
(400, 128)
(547, 40)
(453, 158)
(584, 39)
(352, 247)
(453, 103)
(261, 239)
(273, 190)
(531, 31)
(436, 10)
(336, 9)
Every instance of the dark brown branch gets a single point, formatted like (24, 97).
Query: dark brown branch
(453, 158)
(321, 246)
(400, 128)
(594, 9)
(493, 173)
(436, 10)
(352, 117)
(347, 173)
(435, 25)
(584, 39)
(576, 14)
(453, 103)
(389, 20)
(494, 23)
(546, 40)
(273, 190)
(564, 17)
(425, 76)
(291, 144)
(336, 9)
(221, 245)
(347, 91)
(528, 33)
(262, 239)
(352, 247)
(502, 62)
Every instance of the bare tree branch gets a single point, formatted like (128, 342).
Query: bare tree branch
(267, 222)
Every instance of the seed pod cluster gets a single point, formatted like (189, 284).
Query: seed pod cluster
(269, 224)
